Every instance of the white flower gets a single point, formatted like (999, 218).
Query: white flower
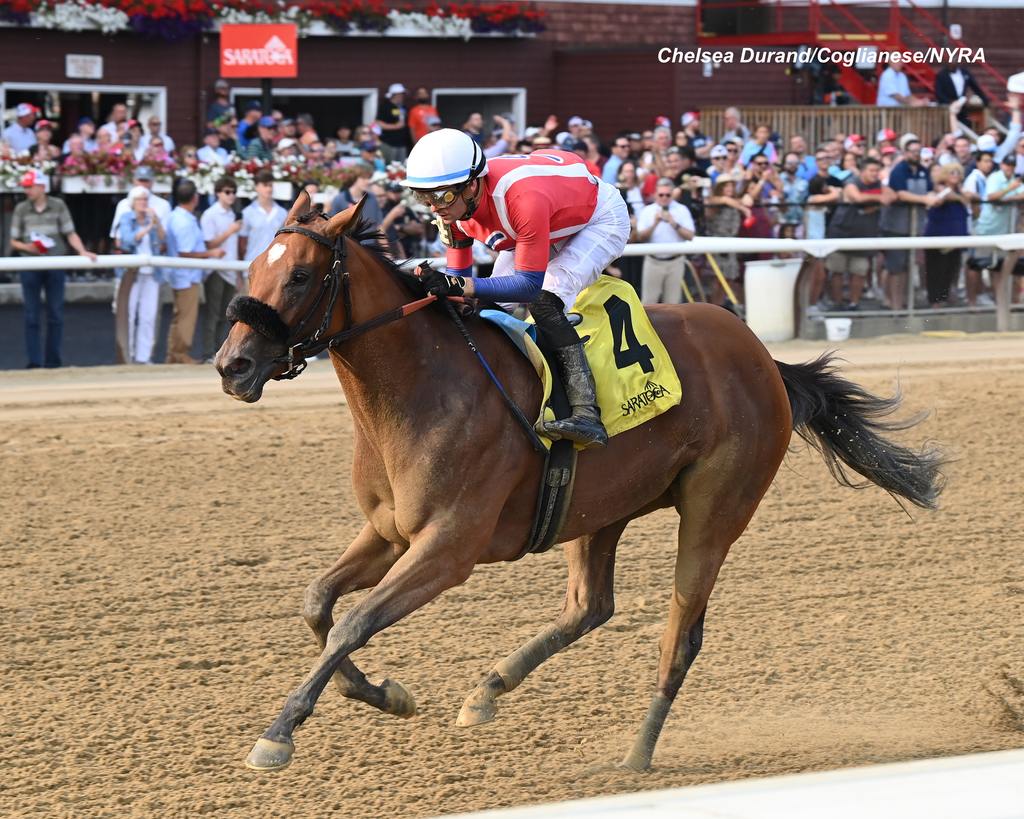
(77, 15)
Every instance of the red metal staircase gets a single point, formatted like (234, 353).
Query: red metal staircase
(881, 24)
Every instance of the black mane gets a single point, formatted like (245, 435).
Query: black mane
(372, 239)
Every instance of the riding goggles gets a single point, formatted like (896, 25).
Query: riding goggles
(442, 197)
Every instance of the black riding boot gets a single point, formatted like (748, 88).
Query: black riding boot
(584, 425)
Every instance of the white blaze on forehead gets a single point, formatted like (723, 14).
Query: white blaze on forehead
(275, 253)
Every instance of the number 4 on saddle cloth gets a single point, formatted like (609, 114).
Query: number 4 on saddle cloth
(635, 378)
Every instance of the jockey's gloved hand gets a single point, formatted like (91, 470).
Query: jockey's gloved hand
(440, 284)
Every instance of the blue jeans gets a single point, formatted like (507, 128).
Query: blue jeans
(33, 283)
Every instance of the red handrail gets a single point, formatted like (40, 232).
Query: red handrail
(958, 42)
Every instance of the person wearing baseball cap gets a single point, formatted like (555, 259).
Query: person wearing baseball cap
(247, 124)
(42, 226)
(392, 120)
(45, 149)
(221, 103)
(854, 143)
(20, 134)
(262, 147)
(1002, 188)
(718, 155)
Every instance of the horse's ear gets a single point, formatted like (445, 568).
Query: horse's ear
(347, 220)
(302, 205)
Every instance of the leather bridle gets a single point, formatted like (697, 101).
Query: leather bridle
(265, 320)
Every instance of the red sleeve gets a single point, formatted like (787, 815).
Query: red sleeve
(459, 259)
(531, 217)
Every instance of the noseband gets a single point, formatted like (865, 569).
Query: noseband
(266, 321)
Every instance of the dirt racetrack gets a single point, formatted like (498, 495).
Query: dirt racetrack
(157, 538)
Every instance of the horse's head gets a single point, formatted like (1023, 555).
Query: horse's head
(293, 286)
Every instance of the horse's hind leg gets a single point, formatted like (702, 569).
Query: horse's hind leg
(715, 506)
(589, 602)
(361, 566)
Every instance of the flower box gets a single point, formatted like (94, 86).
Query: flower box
(92, 184)
(359, 18)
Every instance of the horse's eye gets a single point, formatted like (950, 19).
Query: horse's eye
(299, 277)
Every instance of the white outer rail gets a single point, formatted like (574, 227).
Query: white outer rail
(135, 260)
(702, 244)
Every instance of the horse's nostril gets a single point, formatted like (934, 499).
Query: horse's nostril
(237, 367)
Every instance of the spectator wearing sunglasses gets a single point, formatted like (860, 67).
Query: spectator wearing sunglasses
(220, 224)
(620, 153)
(733, 147)
(664, 221)
(719, 157)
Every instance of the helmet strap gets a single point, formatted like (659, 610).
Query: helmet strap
(471, 204)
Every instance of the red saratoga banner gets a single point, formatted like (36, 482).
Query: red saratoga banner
(264, 50)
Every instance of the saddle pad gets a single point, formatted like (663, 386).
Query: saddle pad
(635, 377)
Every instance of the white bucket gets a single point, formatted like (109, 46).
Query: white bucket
(838, 329)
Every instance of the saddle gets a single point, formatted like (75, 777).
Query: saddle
(634, 375)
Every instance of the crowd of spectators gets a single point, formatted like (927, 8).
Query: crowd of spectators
(726, 178)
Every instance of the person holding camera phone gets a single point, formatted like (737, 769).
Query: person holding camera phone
(664, 221)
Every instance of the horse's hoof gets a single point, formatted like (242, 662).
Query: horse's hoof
(476, 712)
(268, 755)
(397, 700)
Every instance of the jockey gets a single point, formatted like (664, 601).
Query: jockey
(556, 227)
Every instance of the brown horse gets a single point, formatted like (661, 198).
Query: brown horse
(447, 480)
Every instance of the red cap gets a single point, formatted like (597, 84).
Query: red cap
(885, 135)
(32, 177)
(44, 123)
(662, 121)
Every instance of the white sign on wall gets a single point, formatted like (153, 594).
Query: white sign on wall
(83, 66)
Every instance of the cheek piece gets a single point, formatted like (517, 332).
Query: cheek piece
(259, 315)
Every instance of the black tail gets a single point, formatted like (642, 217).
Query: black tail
(846, 423)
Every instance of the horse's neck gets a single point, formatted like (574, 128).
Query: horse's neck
(386, 371)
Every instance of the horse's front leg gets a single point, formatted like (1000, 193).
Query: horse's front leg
(362, 565)
(437, 559)
(589, 602)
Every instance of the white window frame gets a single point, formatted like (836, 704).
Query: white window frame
(369, 96)
(518, 95)
(158, 91)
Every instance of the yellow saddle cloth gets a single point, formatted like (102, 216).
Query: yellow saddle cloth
(636, 380)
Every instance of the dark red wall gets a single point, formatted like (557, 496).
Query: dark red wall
(598, 60)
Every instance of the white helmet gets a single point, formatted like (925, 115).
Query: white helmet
(444, 158)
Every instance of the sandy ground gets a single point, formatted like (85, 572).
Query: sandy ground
(157, 539)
